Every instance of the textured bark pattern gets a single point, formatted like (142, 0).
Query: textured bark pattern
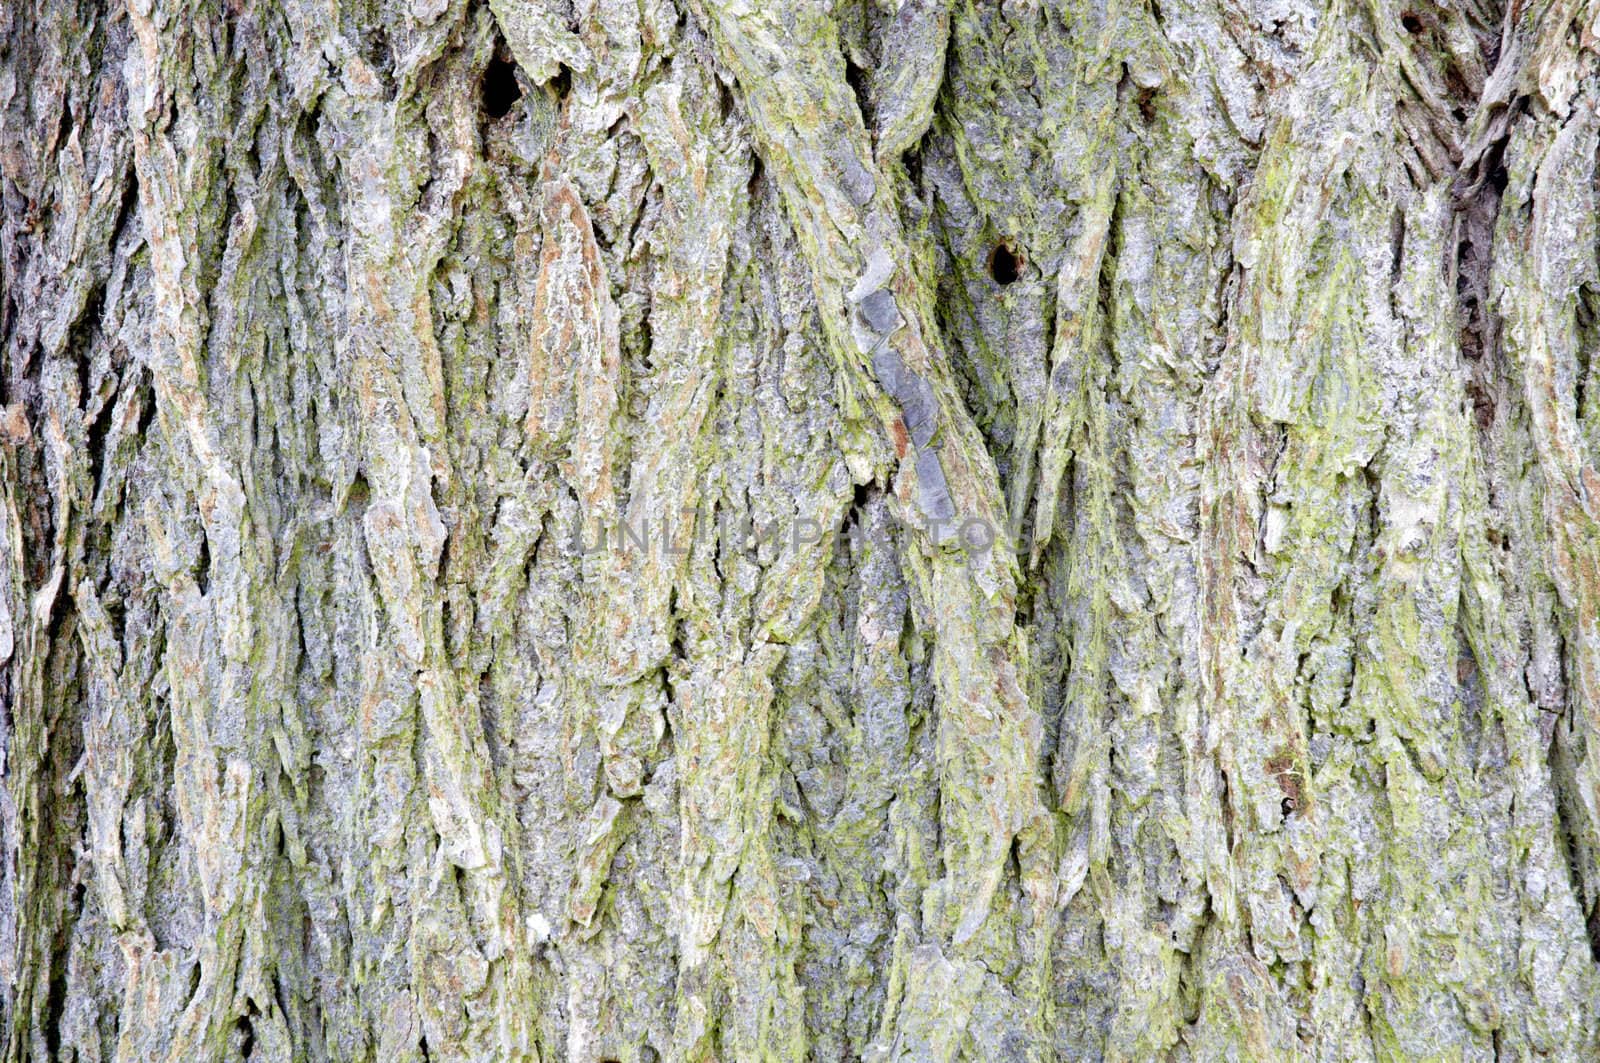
(336, 335)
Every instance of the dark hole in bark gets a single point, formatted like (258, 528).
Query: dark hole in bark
(202, 569)
(857, 79)
(1411, 21)
(1005, 263)
(147, 405)
(1147, 105)
(753, 188)
(356, 498)
(247, 1037)
(561, 84)
(501, 89)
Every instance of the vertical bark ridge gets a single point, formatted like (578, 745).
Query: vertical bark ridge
(497, 504)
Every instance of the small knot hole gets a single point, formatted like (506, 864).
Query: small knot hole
(501, 90)
(1005, 263)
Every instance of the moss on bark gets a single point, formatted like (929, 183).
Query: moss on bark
(888, 531)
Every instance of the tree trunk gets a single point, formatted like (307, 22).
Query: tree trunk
(764, 530)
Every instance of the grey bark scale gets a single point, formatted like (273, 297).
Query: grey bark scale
(485, 492)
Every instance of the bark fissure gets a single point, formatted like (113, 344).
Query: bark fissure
(488, 496)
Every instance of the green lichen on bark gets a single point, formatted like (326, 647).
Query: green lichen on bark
(336, 339)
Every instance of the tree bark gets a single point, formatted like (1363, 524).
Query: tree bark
(750, 530)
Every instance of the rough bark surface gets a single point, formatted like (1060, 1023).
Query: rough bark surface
(495, 505)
